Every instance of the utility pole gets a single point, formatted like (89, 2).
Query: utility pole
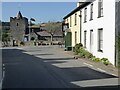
(29, 29)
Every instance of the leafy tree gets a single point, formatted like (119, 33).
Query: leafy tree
(52, 27)
(5, 38)
(5, 23)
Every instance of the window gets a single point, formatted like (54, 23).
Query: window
(85, 37)
(91, 37)
(91, 12)
(70, 21)
(100, 40)
(100, 8)
(85, 15)
(76, 19)
(75, 37)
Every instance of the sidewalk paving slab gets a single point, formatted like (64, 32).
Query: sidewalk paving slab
(109, 69)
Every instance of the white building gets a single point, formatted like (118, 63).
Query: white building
(98, 28)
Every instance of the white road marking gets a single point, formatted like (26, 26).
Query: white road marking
(97, 82)
(101, 70)
(88, 64)
(1, 85)
(114, 75)
(3, 76)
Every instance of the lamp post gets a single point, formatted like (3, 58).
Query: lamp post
(29, 29)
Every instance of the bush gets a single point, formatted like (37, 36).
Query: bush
(79, 50)
(93, 58)
(88, 55)
(105, 61)
(22, 43)
(81, 55)
(84, 53)
(97, 59)
(77, 47)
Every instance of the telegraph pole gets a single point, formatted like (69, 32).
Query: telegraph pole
(29, 29)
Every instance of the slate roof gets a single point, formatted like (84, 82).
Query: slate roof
(45, 33)
(78, 8)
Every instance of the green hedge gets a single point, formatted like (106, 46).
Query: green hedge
(79, 50)
(77, 47)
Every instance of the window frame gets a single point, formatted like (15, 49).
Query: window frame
(91, 12)
(70, 21)
(85, 38)
(85, 15)
(100, 40)
(100, 8)
(75, 18)
(75, 37)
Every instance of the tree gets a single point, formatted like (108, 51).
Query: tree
(5, 38)
(52, 27)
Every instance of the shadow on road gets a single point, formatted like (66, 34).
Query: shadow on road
(27, 71)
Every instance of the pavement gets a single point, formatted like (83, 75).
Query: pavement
(0, 68)
(110, 69)
(52, 67)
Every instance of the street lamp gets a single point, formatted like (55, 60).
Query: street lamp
(29, 29)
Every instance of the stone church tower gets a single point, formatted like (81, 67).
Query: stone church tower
(18, 27)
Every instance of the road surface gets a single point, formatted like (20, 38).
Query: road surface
(49, 67)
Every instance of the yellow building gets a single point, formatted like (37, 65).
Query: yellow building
(73, 22)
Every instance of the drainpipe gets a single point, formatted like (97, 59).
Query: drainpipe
(80, 26)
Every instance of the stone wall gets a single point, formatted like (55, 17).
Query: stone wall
(18, 27)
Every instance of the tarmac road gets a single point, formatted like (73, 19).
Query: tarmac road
(48, 67)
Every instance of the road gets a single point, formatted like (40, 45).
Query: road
(49, 67)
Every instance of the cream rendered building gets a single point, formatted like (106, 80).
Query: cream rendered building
(73, 21)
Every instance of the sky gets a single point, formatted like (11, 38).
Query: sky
(40, 11)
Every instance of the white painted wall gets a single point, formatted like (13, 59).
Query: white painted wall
(107, 22)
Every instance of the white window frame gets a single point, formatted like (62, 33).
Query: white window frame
(100, 40)
(85, 15)
(85, 38)
(100, 8)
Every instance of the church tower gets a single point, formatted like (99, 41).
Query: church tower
(18, 26)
